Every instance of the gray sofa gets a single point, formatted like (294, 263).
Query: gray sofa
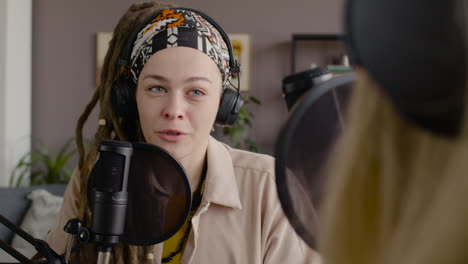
(14, 204)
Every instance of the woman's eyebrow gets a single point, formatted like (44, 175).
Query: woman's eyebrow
(189, 79)
(198, 78)
(156, 77)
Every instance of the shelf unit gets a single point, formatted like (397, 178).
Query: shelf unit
(309, 37)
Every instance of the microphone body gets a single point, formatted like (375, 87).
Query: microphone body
(108, 179)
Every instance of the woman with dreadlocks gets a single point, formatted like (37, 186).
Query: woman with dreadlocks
(176, 74)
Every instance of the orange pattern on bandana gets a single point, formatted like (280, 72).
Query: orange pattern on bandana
(167, 14)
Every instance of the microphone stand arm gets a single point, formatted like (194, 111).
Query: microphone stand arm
(41, 246)
(14, 253)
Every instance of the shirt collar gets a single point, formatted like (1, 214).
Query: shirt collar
(221, 185)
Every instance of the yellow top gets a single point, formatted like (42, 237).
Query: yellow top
(174, 247)
(172, 244)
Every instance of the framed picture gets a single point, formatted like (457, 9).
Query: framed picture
(102, 45)
(241, 46)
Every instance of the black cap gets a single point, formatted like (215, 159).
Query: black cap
(416, 51)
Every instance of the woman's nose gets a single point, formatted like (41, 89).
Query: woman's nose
(174, 108)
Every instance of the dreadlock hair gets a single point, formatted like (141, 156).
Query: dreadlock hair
(115, 128)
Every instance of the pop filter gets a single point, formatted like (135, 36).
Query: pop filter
(302, 150)
(159, 195)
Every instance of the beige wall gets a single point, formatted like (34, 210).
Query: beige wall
(64, 54)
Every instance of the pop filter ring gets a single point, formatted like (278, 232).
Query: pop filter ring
(283, 144)
(188, 194)
(188, 201)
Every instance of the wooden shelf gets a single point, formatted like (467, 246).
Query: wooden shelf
(296, 37)
(309, 37)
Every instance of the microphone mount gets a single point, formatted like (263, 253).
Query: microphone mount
(74, 227)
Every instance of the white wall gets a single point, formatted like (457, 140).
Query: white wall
(2, 85)
(15, 83)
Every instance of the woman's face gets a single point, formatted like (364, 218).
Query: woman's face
(178, 94)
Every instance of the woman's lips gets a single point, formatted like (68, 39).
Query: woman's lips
(171, 135)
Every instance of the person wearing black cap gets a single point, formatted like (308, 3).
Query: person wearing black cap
(398, 180)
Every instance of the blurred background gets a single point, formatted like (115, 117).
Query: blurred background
(48, 69)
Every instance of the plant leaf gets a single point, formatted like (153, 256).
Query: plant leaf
(64, 148)
(255, 100)
(23, 173)
(42, 167)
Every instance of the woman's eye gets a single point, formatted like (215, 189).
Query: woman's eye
(196, 92)
(157, 89)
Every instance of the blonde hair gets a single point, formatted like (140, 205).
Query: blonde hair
(115, 128)
(396, 192)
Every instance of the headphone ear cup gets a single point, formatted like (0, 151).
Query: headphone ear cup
(123, 98)
(229, 107)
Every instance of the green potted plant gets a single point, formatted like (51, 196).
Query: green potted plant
(238, 134)
(44, 166)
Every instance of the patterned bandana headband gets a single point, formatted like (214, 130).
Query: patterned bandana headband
(176, 28)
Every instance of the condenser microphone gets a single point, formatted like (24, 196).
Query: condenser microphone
(107, 193)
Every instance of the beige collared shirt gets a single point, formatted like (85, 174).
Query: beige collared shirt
(239, 220)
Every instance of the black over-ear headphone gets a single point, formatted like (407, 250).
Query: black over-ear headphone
(416, 51)
(123, 90)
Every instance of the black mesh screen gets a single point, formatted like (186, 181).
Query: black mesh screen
(110, 170)
(114, 143)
